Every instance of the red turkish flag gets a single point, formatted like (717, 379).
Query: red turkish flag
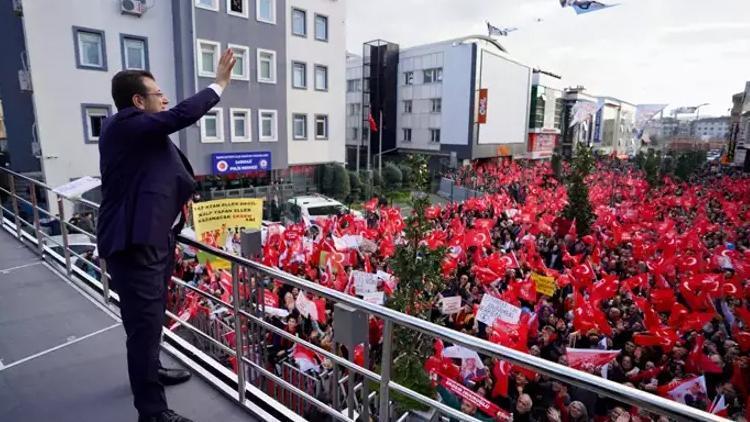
(589, 359)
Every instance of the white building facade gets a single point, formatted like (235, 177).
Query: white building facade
(316, 59)
(710, 128)
(74, 48)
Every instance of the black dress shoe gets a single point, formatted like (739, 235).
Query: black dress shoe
(165, 416)
(169, 376)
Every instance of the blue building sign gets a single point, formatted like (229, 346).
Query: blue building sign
(240, 162)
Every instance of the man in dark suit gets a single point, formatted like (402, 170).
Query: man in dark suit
(146, 182)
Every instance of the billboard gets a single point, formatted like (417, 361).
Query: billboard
(224, 163)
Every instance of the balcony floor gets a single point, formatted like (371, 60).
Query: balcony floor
(62, 358)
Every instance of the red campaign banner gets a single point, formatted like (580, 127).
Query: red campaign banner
(480, 402)
(270, 299)
(482, 107)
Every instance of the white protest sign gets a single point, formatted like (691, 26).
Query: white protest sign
(304, 305)
(78, 187)
(364, 282)
(450, 305)
(281, 313)
(492, 308)
(376, 298)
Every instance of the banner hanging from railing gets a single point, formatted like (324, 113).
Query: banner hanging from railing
(217, 222)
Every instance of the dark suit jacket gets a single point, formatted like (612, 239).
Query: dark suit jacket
(145, 178)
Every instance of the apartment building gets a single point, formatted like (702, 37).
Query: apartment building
(68, 52)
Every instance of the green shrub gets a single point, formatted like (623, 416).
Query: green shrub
(392, 176)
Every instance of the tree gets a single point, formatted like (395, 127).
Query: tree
(392, 176)
(420, 172)
(651, 168)
(406, 175)
(355, 183)
(326, 179)
(579, 207)
(340, 187)
(556, 164)
(418, 270)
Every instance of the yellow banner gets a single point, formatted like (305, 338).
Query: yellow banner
(214, 221)
(544, 285)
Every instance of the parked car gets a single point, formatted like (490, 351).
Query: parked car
(312, 207)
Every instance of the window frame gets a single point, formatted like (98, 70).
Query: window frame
(88, 136)
(123, 52)
(219, 139)
(199, 57)
(234, 138)
(271, 21)
(410, 108)
(327, 131)
(315, 27)
(432, 135)
(409, 81)
(274, 128)
(411, 134)
(304, 22)
(246, 56)
(78, 53)
(315, 77)
(214, 8)
(434, 71)
(439, 102)
(274, 72)
(305, 136)
(245, 7)
(304, 68)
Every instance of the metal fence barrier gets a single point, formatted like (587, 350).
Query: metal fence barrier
(340, 392)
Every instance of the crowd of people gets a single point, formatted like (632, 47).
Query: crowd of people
(659, 286)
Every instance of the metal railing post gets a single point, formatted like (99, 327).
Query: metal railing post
(64, 232)
(14, 202)
(238, 332)
(385, 372)
(37, 229)
(104, 279)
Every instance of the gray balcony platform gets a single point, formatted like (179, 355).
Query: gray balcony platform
(62, 357)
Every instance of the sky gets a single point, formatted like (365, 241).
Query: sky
(677, 52)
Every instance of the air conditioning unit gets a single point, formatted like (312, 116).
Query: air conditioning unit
(133, 7)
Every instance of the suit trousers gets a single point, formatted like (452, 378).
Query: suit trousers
(139, 275)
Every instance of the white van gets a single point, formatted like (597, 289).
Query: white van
(312, 207)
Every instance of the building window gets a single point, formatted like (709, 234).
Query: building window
(241, 69)
(355, 133)
(299, 75)
(433, 75)
(407, 106)
(436, 105)
(266, 66)
(134, 52)
(299, 127)
(91, 50)
(407, 135)
(354, 109)
(435, 136)
(408, 78)
(208, 58)
(321, 126)
(321, 28)
(241, 124)
(299, 22)
(321, 78)
(268, 125)
(266, 10)
(93, 116)
(237, 8)
(207, 4)
(354, 85)
(212, 126)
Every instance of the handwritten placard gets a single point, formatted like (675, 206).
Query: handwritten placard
(544, 285)
(450, 305)
(364, 282)
(492, 308)
(376, 298)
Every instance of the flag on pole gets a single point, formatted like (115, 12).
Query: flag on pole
(582, 7)
(691, 389)
(582, 110)
(586, 359)
(499, 32)
(373, 124)
(643, 114)
(719, 407)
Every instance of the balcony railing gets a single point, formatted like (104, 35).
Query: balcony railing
(241, 360)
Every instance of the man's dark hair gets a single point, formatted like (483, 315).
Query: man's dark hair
(127, 83)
